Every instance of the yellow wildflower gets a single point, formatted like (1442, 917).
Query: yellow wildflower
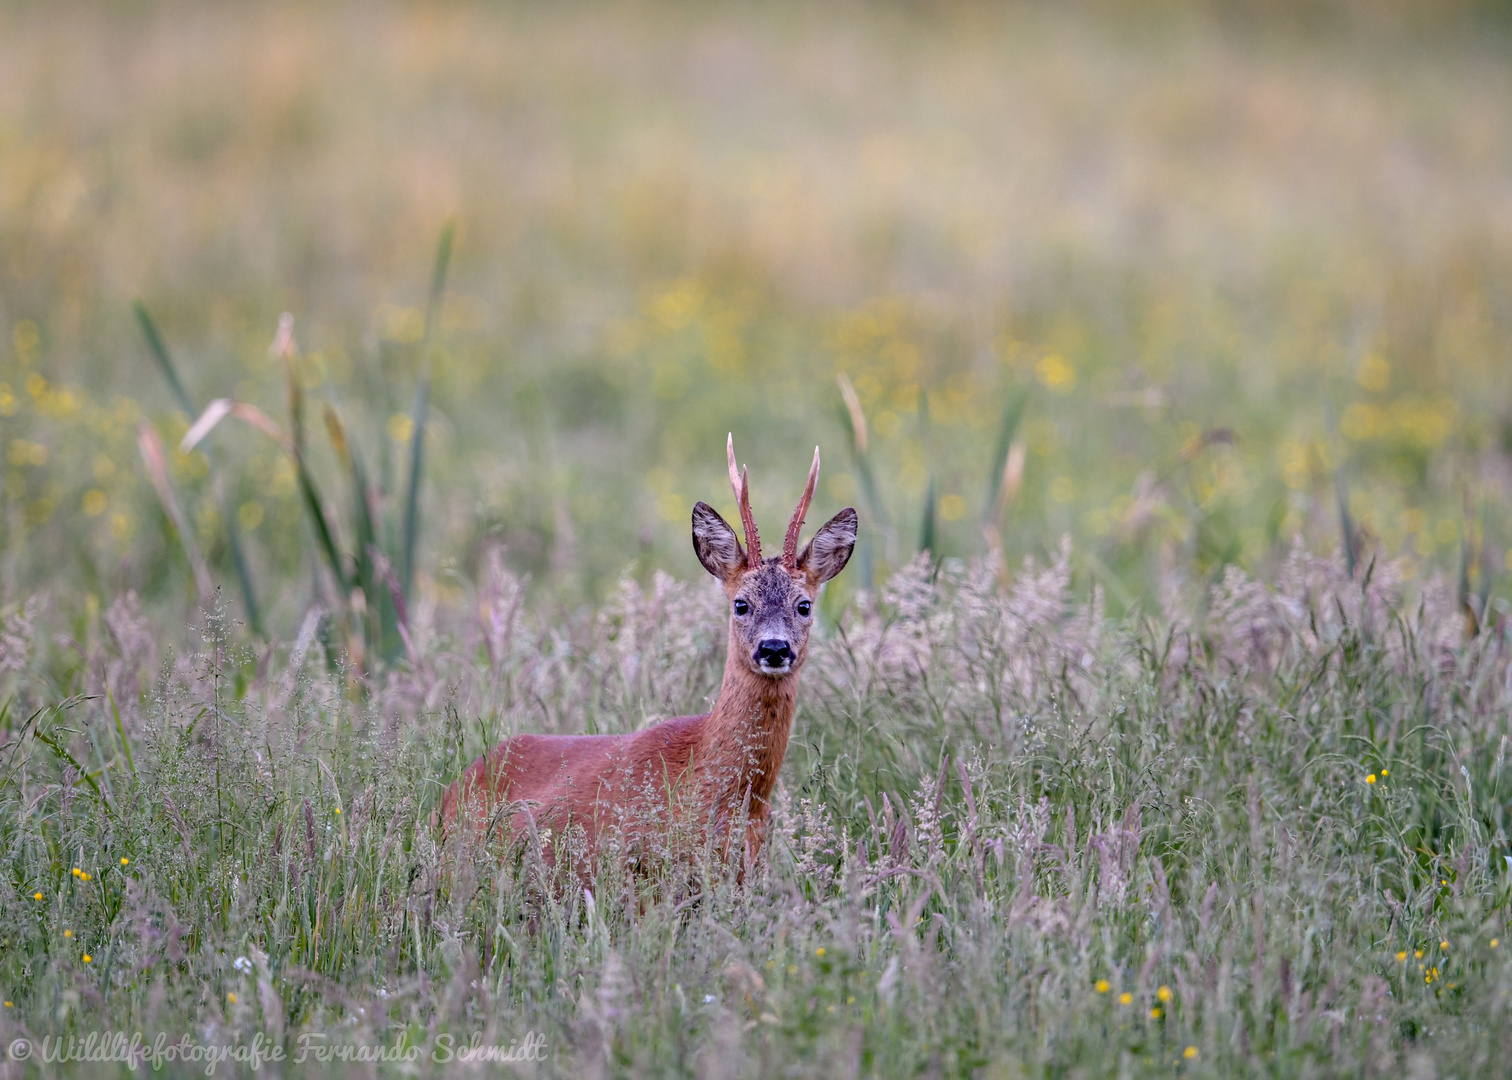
(1402, 955)
(88, 959)
(1189, 1053)
(125, 861)
(68, 933)
(36, 896)
(1164, 993)
(1101, 986)
(1371, 778)
(819, 951)
(231, 998)
(1126, 998)
(1155, 1013)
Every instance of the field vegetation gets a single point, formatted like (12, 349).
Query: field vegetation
(361, 368)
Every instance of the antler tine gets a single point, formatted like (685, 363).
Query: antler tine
(748, 523)
(790, 544)
(734, 469)
(738, 481)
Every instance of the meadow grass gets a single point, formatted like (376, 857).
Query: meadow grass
(1013, 838)
(1158, 725)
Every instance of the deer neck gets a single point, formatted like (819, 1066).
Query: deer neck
(746, 735)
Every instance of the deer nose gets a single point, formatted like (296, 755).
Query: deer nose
(774, 653)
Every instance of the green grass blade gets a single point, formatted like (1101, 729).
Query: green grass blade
(1346, 522)
(1013, 412)
(155, 459)
(159, 352)
(412, 495)
(307, 489)
(438, 279)
(927, 537)
(382, 614)
(362, 515)
(928, 529)
(1472, 621)
(120, 730)
(243, 568)
(1341, 493)
(862, 458)
(318, 519)
(61, 753)
(422, 404)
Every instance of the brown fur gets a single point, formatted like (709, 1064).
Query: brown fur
(708, 774)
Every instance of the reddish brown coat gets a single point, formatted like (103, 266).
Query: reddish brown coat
(691, 779)
(696, 767)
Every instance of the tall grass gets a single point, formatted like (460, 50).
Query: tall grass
(1012, 836)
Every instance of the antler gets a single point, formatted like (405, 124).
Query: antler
(743, 497)
(790, 544)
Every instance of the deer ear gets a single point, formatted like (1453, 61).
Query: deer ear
(827, 553)
(715, 543)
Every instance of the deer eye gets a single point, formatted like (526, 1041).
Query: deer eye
(742, 608)
(804, 607)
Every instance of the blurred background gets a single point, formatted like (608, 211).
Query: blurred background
(1182, 281)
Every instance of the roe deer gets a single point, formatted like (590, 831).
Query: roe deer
(712, 773)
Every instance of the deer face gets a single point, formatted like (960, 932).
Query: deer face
(772, 600)
(771, 607)
(770, 614)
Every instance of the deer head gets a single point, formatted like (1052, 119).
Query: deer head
(771, 600)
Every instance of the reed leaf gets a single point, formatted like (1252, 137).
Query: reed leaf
(422, 404)
(927, 537)
(438, 278)
(412, 495)
(307, 489)
(159, 350)
(1013, 411)
(120, 730)
(206, 422)
(214, 413)
(155, 458)
(239, 561)
(928, 528)
(853, 419)
(365, 516)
